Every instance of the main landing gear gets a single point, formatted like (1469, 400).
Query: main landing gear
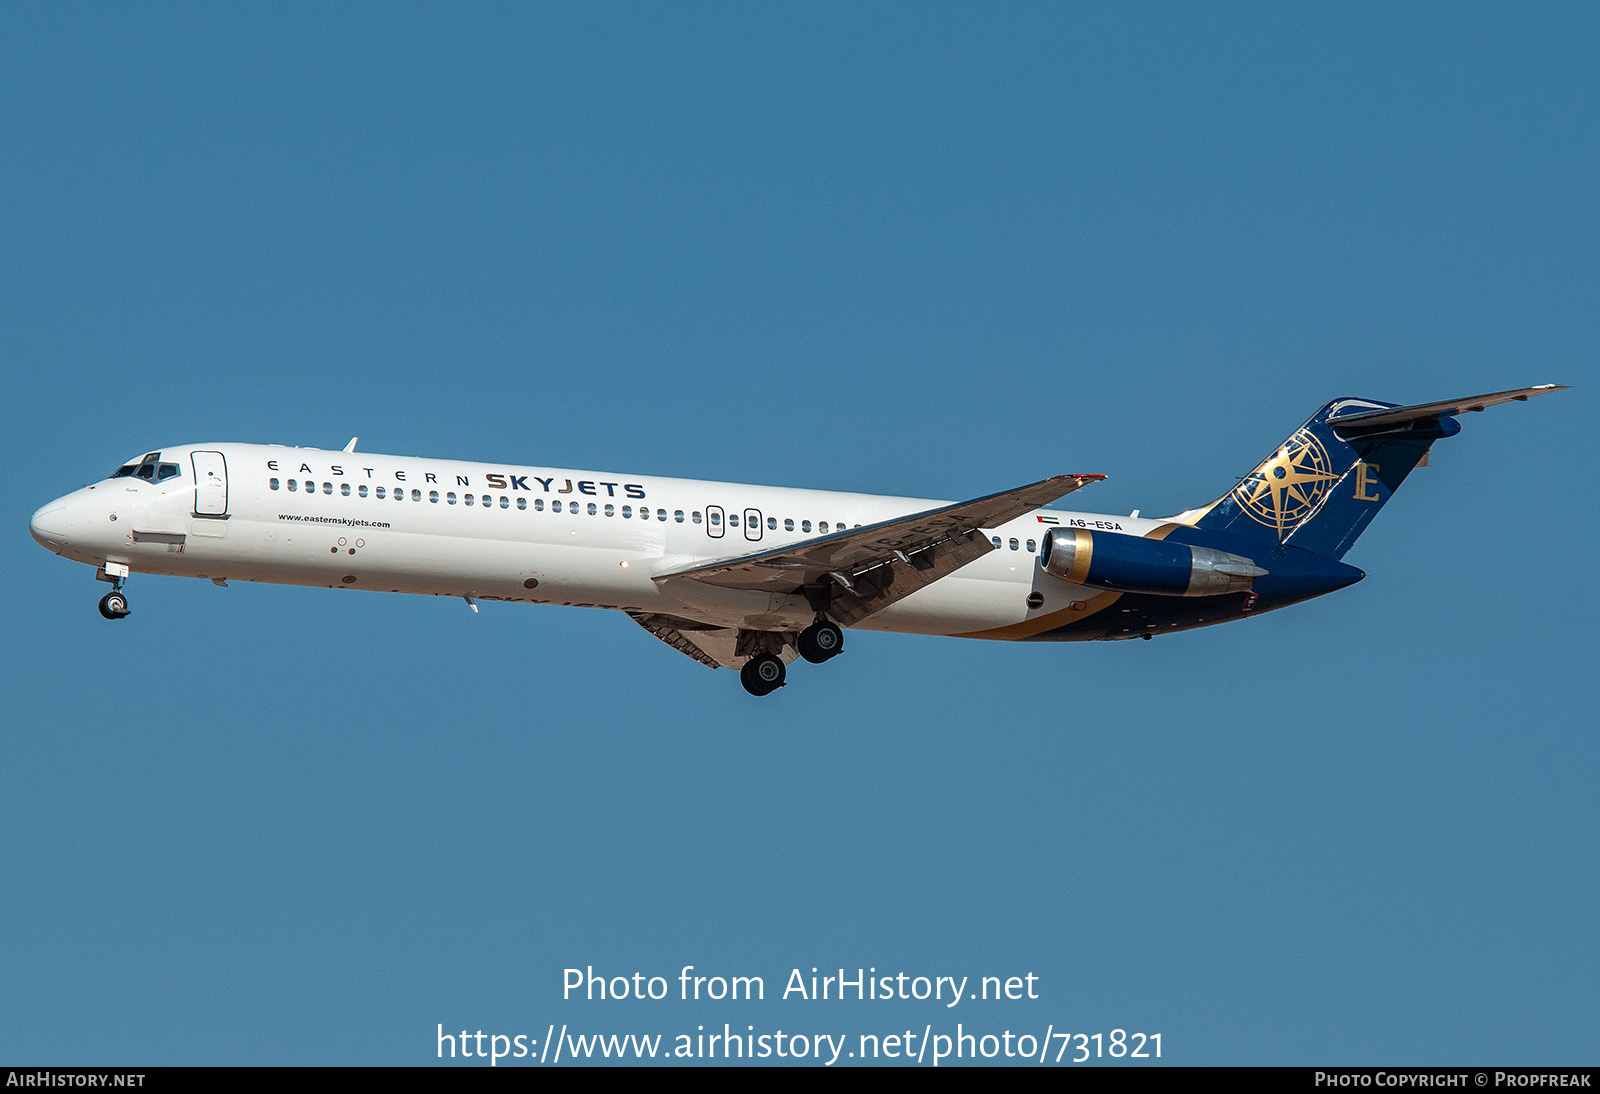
(764, 673)
(821, 641)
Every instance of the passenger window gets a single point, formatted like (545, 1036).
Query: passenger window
(467, 499)
(522, 503)
(505, 502)
(644, 512)
(381, 494)
(555, 506)
(716, 518)
(362, 490)
(733, 520)
(695, 515)
(611, 510)
(1031, 546)
(416, 495)
(591, 509)
(433, 496)
(327, 488)
(788, 524)
(273, 483)
(996, 541)
(538, 505)
(805, 526)
(823, 527)
(344, 488)
(292, 485)
(1014, 545)
(661, 515)
(450, 497)
(627, 511)
(311, 487)
(772, 524)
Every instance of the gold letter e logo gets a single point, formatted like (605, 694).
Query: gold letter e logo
(1366, 482)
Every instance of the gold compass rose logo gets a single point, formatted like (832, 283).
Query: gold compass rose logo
(1286, 489)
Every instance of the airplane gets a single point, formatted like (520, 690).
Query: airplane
(752, 577)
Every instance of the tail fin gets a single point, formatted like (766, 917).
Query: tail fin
(1323, 485)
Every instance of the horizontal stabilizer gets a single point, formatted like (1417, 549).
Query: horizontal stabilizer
(1365, 418)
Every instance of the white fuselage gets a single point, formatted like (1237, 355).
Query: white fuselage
(357, 520)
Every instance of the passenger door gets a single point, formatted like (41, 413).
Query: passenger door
(210, 484)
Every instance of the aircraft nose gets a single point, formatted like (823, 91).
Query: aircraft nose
(49, 526)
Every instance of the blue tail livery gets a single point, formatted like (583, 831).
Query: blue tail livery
(1323, 485)
(1275, 539)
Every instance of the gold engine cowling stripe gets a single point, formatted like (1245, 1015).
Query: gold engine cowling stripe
(1082, 555)
(1065, 616)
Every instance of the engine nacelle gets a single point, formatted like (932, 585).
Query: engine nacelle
(1131, 564)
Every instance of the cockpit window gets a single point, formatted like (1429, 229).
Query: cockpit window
(150, 468)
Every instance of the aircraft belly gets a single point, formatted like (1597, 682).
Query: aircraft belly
(738, 608)
(1129, 615)
(391, 561)
(954, 605)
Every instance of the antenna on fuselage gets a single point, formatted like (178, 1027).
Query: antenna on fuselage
(351, 447)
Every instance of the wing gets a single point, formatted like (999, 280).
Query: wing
(856, 572)
(714, 647)
(675, 633)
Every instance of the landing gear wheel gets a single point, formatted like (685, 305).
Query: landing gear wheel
(113, 605)
(821, 641)
(762, 674)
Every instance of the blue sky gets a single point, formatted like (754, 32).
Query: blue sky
(933, 250)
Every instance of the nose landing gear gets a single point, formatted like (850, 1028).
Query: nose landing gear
(114, 605)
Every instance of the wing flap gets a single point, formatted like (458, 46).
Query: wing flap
(856, 596)
(714, 646)
(666, 628)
